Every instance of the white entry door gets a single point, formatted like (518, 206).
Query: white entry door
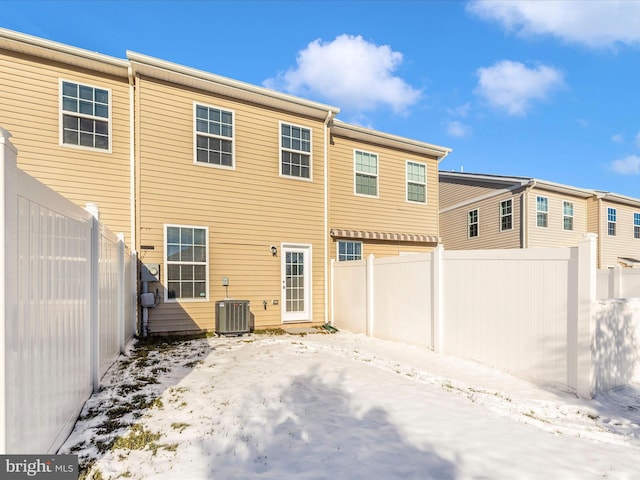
(296, 283)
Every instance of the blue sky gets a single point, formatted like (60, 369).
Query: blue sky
(543, 89)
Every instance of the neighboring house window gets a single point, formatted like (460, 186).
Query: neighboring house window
(214, 136)
(612, 215)
(295, 151)
(85, 116)
(187, 261)
(349, 250)
(472, 223)
(636, 225)
(567, 210)
(416, 182)
(506, 215)
(542, 211)
(366, 173)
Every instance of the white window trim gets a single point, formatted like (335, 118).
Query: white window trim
(615, 222)
(61, 120)
(477, 222)
(232, 138)
(505, 215)
(406, 183)
(280, 149)
(377, 175)
(540, 211)
(565, 216)
(166, 263)
(350, 241)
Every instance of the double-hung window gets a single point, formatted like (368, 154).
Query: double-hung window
(349, 250)
(472, 223)
(567, 212)
(213, 136)
(187, 262)
(416, 182)
(85, 116)
(612, 216)
(636, 225)
(366, 173)
(506, 215)
(542, 211)
(295, 151)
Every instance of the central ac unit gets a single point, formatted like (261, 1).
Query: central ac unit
(232, 317)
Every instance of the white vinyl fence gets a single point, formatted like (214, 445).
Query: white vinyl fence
(618, 283)
(67, 306)
(533, 312)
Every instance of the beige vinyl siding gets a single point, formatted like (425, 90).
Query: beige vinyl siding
(622, 244)
(554, 234)
(246, 210)
(29, 110)
(453, 225)
(453, 192)
(390, 211)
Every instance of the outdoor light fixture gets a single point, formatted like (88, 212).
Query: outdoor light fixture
(274, 250)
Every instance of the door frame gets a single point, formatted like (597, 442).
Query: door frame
(306, 314)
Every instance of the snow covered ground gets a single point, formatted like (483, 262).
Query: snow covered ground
(342, 406)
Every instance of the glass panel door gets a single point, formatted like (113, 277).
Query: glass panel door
(296, 276)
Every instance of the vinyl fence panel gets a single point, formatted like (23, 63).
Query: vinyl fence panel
(349, 299)
(509, 308)
(61, 309)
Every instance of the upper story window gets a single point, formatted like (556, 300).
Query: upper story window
(213, 136)
(366, 173)
(348, 250)
(612, 216)
(542, 211)
(506, 215)
(85, 116)
(187, 262)
(567, 215)
(295, 151)
(472, 223)
(636, 225)
(416, 182)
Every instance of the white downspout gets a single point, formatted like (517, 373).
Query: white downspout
(524, 220)
(327, 263)
(132, 160)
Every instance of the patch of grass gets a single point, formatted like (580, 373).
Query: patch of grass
(108, 426)
(137, 439)
(270, 331)
(127, 388)
(180, 426)
(193, 364)
(104, 446)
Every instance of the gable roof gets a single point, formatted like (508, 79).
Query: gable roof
(59, 52)
(363, 134)
(172, 72)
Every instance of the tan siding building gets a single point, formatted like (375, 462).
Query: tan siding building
(243, 200)
(234, 191)
(87, 164)
(543, 214)
(616, 220)
(373, 209)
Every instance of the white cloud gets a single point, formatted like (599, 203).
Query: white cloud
(457, 129)
(627, 166)
(512, 87)
(350, 72)
(594, 23)
(461, 111)
(617, 138)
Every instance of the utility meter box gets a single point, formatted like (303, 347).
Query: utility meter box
(148, 300)
(150, 272)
